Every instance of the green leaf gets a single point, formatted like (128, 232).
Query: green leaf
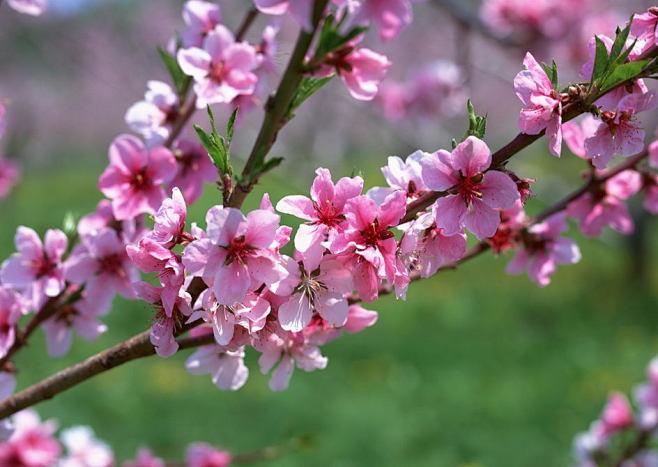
(620, 40)
(600, 60)
(217, 146)
(477, 124)
(306, 89)
(181, 80)
(269, 165)
(622, 73)
(230, 125)
(551, 72)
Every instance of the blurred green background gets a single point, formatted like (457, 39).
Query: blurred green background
(476, 368)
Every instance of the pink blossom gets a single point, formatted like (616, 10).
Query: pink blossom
(204, 455)
(286, 351)
(200, 18)
(11, 310)
(164, 324)
(32, 443)
(605, 205)
(643, 28)
(169, 226)
(575, 134)
(130, 230)
(9, 175)
(225, 365)
(426, 248)
(436, 88)
(29, 7)
(222, 69)
(299, 9)
(474, 195)
(84, 449)
(36, 270)
(194, 169)
(133, 178)
(236, 253)
(250, 314)
(544, 249)
(100, 261)
(619, 132)
(542, 105)
(320, 291)
(512, 222)
(617, 414)
(405, 176)
(145, 459)
(81, 316)
(358, 318)
(361, 69)
(324, 213)
(390, 16)
(153, 117)
(367, 246)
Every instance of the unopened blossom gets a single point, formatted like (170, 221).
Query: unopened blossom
(619, 132)
(36, 269)
(543, 249)
(145, 458)
(605, 206)
(225, 364)
(12, 308)
(542, 104)
(84, 449)
(426, 248)
(323, 212)
(236, 253)
(154, 116)
(195, 169)
(361, 69)
(617, 414)
(164, 324)
(286, 351)
(653, 154)
(390, 16)
(101, 263)
(222, 69)
(205, 455)
(301, 10)
(29, 7)
(81, 317)
(320, 291)
(134, 177)
(32, 443)
(475, 194)
(9, 175)
(200, 18)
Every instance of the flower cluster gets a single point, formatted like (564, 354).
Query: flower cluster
(30, 442)
(621, 433)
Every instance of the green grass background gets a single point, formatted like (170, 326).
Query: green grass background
(476, 368)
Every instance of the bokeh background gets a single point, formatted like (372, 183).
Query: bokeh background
(476, 368)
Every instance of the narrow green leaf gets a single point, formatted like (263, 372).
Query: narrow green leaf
(306, 89)
(621, 35)
(270, 164)
(622, 73)
(600, 60)
(230, 125)
(180, 79)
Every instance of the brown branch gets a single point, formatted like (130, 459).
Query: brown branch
(246, 24)
(275, 109)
